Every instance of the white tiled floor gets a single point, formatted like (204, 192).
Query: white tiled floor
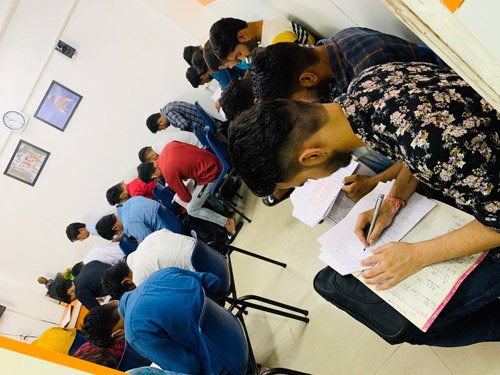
(332, 342)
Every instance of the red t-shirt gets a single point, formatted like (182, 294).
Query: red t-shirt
(181, 161)
(137, 187)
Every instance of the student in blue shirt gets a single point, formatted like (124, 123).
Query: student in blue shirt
(160, 320)
(138, 217)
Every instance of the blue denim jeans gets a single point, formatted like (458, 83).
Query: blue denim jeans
(473, 313)
(372, 159)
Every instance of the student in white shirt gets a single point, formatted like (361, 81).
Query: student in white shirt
(109, 253)
(161, 249)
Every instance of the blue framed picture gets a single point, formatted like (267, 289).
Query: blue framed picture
(58, 106)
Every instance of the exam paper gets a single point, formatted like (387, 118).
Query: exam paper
(313, 201)
(342, 236)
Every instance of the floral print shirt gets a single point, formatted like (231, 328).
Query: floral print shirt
(431, 120)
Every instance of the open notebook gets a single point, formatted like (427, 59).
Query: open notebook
(422, 296)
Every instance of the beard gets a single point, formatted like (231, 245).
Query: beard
(322, 90)
(336, 161)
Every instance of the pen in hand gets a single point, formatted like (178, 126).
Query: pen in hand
(378, 204)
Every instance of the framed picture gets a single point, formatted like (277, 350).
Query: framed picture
(26, 163)
(58, 106)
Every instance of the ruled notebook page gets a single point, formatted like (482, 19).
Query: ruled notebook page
(421, 297)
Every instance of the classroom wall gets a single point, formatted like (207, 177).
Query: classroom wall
(128, 64)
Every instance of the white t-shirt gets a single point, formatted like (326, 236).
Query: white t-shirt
(109, 253)
(273, 28)
(163, 137)
(161, 249)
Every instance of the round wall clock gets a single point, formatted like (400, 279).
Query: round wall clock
(14, 120)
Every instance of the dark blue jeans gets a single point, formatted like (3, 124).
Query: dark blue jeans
(473, 313)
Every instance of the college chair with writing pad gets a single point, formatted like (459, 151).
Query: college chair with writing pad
(225, 337)
(219, 149)
(165, 196)
(128, 244)
(207, 259)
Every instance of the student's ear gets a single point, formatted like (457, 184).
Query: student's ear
(308, 79)
(243, 36)
(127, 281)
(118, 334)
(312, 156)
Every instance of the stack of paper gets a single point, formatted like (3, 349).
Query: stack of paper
(313, 201)
(343, 251)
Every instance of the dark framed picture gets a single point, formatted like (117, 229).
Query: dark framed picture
(26, 163)
(58, 106)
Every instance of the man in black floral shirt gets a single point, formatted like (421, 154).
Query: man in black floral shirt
(428, 118)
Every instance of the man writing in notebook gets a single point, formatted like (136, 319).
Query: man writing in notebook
(424, 116)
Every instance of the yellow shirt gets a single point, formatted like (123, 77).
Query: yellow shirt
(56, 339)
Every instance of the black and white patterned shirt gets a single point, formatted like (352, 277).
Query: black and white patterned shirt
(437, 125)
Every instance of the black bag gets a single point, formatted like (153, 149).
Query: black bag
(352, 296)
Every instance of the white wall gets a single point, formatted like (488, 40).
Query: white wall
(128, 64)
(324, 16)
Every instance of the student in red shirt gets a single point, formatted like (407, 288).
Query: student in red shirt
(180, 161)
(120, 192)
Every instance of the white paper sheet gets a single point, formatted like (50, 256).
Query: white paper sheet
(313, 201)
(342, 236)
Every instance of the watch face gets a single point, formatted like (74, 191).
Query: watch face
(14, 120)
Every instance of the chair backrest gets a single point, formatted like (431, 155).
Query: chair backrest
(131, 359)
(224, 338)
(207, 119)
(200, 134)
(170, 220)
(128, 245)
(206, 259)
(220, 150)
(165, 196)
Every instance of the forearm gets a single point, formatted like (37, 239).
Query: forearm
(470, 239)
(389, 174)
(405, 183)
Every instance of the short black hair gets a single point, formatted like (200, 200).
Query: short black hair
(188, 53)
(143, 153)
(76, 269)
(224, 35)
(112, 280)
(237, 97)
(152, 122)
(262, 139)
(105, 226)
(193, 77)
(61, 286)
(73, 230)
(213, 62)
(198, 62)
(98, 325)
(113, 194)
(145, 171)
(277, 69)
